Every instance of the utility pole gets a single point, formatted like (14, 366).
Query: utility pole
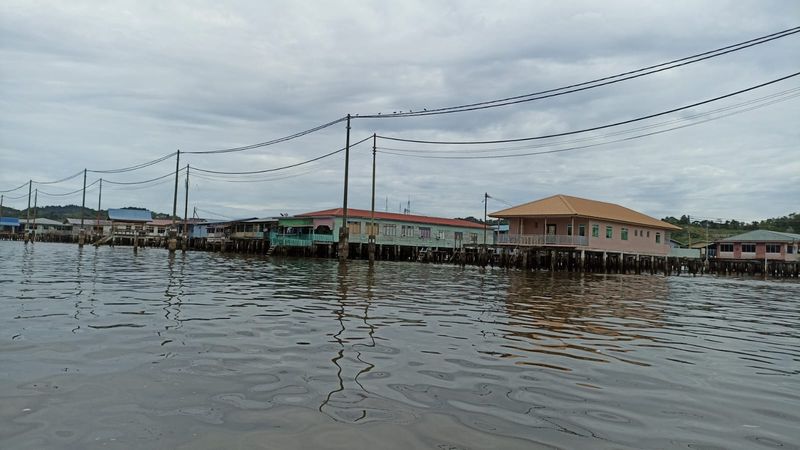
(186, 213)
(99, 203)
(35, 204)
(173, 232)
(344, 245)
(28, 212)
(689, 227)
(82, 235)
(485, 206)
(372, 232)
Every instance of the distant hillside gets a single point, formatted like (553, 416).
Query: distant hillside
(62, 212)
(719, 230)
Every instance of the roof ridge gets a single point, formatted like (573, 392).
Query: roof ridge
(566, 202)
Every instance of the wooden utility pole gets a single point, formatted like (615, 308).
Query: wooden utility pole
(185, 244)
(82, 233)
(372, 232)
(173, 232)
(344, 232)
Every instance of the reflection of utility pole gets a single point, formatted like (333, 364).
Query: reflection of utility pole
(35, 205)
(99, 203)
(28, 212)
(172, 244)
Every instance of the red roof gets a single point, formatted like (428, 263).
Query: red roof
(364, 214)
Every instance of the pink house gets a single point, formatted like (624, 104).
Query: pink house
(760, 245)
(562, 221)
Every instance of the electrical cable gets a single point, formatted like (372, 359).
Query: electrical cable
(135, 167)
(15, 189)
(249, 172)
(764, 101)
(599, 127)
(592, 83)
(270, 142)
(58, 181)
(68, 193)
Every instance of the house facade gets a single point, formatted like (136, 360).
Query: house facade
(759, 245)
(405, 230)
(49, 229)
(9, 227)
(563, 221)
(92, 225)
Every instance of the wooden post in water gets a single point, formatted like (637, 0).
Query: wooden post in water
(35, 204)
(28, 213)
(185, 241)
(99, 200)
(173, 231)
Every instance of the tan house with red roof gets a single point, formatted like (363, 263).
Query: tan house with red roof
(562, 221)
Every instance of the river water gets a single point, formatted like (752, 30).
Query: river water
(104, 348)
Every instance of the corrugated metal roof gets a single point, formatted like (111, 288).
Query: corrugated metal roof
(88, 221)
(364, 214)
(565, 205)
(263, 220)
(763, 236)
(45, 221)
(9, 222)
(129, 215)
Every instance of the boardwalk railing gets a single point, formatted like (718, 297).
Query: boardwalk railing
(539, 240)
(306, 240)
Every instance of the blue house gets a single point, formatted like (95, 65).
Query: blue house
(9, 226)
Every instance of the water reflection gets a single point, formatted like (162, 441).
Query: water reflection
(236, 349)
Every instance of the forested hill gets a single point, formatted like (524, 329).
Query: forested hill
(62, 212)
(718, 229)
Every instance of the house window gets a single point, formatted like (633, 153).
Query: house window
(635, 233)
(595, 230)
(726, 247)
(473, 237)
(569, 229)
(440, 234)
(648, 234)
(458, 235)
(658, 238)
(581, 230)
(773, 248)
(355, 227)
(623, 234)
(390, 230)
(424, 232)
(790, 249)
(748, 248)
(373, 229)
(407, 231)
(609, 231)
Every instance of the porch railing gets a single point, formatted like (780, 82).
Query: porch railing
(540, 240)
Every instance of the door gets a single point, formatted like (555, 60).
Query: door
(551, 234)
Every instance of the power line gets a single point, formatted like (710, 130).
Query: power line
(65, 194)
(135, 167)
(271, 142)
(59, 181)
(250, 172)
(172, 173)
(16, 188)
(581, 147)
(593, 83)
(600, 127)
(212, 213)
(753, 104)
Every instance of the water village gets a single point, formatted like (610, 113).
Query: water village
(557, 233)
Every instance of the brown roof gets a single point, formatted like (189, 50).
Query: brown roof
(565, 205)
(364, 214)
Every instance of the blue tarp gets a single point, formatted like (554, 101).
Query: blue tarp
(130, 215)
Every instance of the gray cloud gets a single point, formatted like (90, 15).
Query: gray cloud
(110, 84)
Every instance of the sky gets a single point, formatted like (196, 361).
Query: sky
(103, 85)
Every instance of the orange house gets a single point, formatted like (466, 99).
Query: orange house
(562, 221)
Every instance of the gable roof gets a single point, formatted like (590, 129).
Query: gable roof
(129, 215)
(364, 214)
(565, 205)
(762, 236)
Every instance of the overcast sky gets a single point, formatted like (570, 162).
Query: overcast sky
(107, 84)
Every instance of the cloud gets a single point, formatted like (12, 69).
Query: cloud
(110, 84)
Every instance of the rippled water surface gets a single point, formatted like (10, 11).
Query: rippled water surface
(101, 348)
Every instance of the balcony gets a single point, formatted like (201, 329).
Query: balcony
(540, 240)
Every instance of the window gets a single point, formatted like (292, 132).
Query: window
(425, 232)
(407, 231)
(623, 234)
(790, 249)
(609, 231)
(161, 230)
(648, 234)
(473, 237)
(658, 238)
(373, 230)
(440, 234)
(581, 230)
(748, 248)
(595, 230)
(773, 248)
(635, 233)
(569, 229)
(726, 247)
(355, 227)
(458, 235)
(390, 230)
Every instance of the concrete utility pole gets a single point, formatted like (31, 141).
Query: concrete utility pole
(173, 232)
(485, 217)
(82, 233)
(99, 203)
(35, 204)
(185, 243)
(372, 231)
(344, 232)
(28, 212)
